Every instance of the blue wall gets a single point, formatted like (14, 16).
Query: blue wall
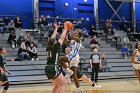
(57, 8)
(138, 16)
(22, 8)
(105, 12)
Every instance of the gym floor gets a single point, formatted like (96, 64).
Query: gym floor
(123, 86)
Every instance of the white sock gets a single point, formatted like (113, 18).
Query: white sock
(67, 69)
(79, 88)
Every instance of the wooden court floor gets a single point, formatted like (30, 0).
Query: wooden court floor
(125, 86)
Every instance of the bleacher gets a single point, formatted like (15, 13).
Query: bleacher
(32, 72)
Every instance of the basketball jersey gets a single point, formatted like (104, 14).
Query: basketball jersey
(74, 49)
(137, 56)
(53, 55)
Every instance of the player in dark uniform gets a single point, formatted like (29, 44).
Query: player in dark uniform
(52, 70)
(3, 78)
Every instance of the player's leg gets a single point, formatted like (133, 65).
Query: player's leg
(61, 84)
(63, 62)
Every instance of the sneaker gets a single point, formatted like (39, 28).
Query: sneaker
(79, 90)
(13, 46)
(68, 73)
(97, 86)
(37, 59)
(32, 59)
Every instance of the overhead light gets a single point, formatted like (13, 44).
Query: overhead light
(57, 16)
(85, 1)
(48, 16)
(75, 8)
(87, 19)
(66, 4)
(82, 18)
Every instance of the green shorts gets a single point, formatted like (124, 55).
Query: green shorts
(79, 74)
(52, 72)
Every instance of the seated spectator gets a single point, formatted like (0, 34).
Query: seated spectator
(94, 42)
(1, 25)
(131, 38)
(126, 40)
(44, 21)
(32, 51)
(92, 31)
(18, 23)
(124, 50)
(28, 39)
(11, 26)
(104, 65)
(85, 32)
(23, 53)
(20, 39)
(6, 22)
(12, 39)
(110, 28)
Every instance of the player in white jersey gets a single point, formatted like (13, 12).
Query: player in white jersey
(73, 57)
(74, 53)
(136, 60)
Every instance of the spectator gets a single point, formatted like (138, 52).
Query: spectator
(85, 32)
(104, 64)
(12, 39)
(95, 63)
(92, 31)
(18, 23)
(131, 38)
(106, 26)
(6, 22)
(11, 26)
(110, 29)
(44, 21)
(123, 25)
(3, 69)
(94, 42)
(28, 39)
(20, 39)
(32, 51)
(126, 40)
(1, 25)
(23, 53)
(124, 51)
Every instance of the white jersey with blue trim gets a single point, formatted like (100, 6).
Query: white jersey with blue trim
(137, 56)
(74, 49)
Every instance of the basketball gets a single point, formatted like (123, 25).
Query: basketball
(69, 25)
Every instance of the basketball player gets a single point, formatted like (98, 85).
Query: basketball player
(3, 78)
(73, 57)
(136, 60)
(52, 70)
(80, 75)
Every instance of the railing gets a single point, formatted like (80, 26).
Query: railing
(116, 25)
(82, 63)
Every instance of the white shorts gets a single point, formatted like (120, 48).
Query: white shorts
(74, 61)
(136, 66)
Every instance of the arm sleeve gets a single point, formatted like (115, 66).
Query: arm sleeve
(99, 56)
(91, 56)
